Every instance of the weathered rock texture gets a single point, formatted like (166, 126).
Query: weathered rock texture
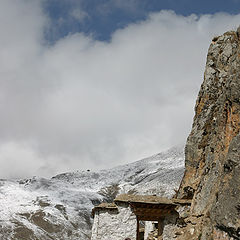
(212, 176)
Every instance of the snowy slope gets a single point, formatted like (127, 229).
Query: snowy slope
(60, 208)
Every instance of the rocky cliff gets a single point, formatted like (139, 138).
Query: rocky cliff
(212, 153)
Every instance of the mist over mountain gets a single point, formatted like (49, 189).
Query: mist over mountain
(60, 207)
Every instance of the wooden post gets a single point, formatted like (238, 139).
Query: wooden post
(138, 229)
(160, 226)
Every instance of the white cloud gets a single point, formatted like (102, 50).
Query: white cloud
(87, 104)
(130, 6)
(17, 160)
(79, 14)
(127, 5)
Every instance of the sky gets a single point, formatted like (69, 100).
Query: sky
(91, 84)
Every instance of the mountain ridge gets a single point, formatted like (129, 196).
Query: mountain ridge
(60, 207)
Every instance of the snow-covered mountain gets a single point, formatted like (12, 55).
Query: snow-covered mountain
(60, 208)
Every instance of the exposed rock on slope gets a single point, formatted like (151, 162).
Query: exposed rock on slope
(60, 208)
(212, 154)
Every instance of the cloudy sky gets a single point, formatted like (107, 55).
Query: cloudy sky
(91, 84)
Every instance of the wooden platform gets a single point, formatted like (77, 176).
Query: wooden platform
(151, 199)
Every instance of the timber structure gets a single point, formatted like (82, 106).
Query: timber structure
(135, 208)
(151, 208)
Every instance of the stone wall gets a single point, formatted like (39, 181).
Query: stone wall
(116, 225)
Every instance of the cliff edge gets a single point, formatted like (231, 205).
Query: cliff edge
(212, 153)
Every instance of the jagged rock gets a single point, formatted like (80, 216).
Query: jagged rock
(212, 153)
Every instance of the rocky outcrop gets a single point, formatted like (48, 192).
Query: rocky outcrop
(212, 153)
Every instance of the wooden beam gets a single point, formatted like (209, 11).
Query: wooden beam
(149, 205)
(146, 212)
(148, 218)
(138, 230)
(160, 226)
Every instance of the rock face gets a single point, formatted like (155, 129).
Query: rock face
(212, 153)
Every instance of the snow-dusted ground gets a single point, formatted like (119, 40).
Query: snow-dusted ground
(60, 208)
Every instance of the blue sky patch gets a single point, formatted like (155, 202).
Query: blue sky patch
(100, 18)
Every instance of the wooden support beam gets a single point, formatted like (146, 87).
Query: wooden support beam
(153, 212)
(160, 226)
(138, 230)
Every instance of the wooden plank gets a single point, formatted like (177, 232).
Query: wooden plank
(146, 208)
(138, 231)
(152, 205)
(160, 226)
(152, 209)
(139, 211)
(143, 212)
(148, 218)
